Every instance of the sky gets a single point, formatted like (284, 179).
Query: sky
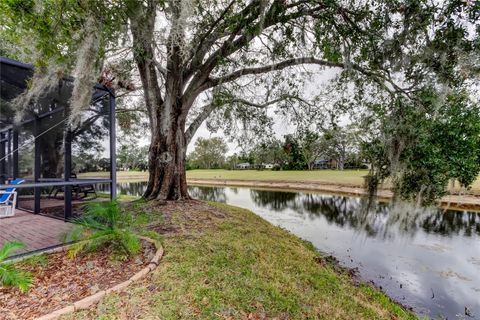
(320, 79)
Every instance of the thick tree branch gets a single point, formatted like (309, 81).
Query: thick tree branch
(204, 114)
(267, 103)
(206, 39)
(381, 79)
(258, 19)
(161, 69)
(208, 109)
(272, 67)
(142, 23)
(219, 30)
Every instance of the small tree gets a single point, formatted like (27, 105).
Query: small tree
(312, 146)
(232, 161)
(209, 153)
(131, 156)
(269, 151)
(295, 158)
(339, 142)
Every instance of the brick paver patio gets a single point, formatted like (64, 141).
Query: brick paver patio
(35, 231)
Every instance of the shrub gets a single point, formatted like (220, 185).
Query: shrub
(104, 224)
(9, 275)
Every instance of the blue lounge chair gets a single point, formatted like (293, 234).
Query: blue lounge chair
(8, 199)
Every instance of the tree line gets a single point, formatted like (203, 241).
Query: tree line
(338, 148)
(406, 70)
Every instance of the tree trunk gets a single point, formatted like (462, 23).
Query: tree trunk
(51, 156)
(340, 163)
(166, 156)
(310, 165)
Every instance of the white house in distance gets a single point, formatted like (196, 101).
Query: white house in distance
(244, 165)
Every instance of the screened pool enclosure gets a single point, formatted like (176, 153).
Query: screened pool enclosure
(49, 157)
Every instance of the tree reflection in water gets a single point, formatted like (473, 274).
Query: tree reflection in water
(126, 188)
(375, 220)
(277, 201)
(208, 193)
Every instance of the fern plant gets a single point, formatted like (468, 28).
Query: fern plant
(9, 275)
(104, 224)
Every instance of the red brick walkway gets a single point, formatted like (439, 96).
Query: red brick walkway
(35, 231)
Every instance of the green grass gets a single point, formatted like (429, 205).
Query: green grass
(352, 178)
(122, 176)
(349, 177)
(336, 177)
(120, 197)
(346, 177)
(228, 263)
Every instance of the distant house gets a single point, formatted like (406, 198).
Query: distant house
(321, 164)
(261, 166)
(243, 166)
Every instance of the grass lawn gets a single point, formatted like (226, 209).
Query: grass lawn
(350, 177)
(223, 262)
(122, 176)
(345, 178)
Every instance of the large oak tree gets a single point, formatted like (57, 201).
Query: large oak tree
(234, 58)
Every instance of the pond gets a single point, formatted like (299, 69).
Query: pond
(427, 259)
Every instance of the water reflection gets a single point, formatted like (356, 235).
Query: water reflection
(343, 211)
(410, 252)
(454, 222)
(376, 220)
(126, 188)
(208, 194)
(274, 201)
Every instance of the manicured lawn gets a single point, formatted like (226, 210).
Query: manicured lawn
(122, 176)
(350, 177)
(223, 262)
(347, 177)
(344, 178)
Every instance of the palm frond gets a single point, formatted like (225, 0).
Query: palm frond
(9, 275)
(8, 248)
(104, 224)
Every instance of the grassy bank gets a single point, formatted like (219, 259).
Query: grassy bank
(348, 178)
(224, 262)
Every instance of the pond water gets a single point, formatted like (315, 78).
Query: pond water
(427, 259)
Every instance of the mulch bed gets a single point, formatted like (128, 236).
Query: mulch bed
(63, 280)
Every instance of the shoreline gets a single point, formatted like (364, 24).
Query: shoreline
(454, 202)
